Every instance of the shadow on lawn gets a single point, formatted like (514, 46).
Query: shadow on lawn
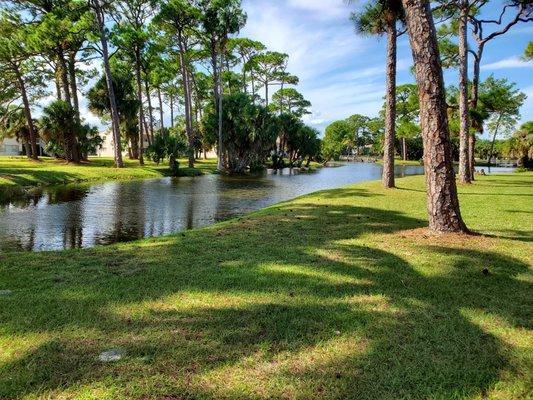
(29, 177)
(244, 305)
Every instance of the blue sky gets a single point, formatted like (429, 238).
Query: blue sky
(342, 73)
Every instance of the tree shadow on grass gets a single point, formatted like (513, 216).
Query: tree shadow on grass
(281, 305)
(31, 177)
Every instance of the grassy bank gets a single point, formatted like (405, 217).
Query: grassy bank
(336, 295)
(18, 173)
(399, 161)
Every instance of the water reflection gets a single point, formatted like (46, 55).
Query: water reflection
(73, 217)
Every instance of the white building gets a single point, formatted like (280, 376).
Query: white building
(12, 147)
(108, 145)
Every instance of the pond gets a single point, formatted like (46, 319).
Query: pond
(77, 216)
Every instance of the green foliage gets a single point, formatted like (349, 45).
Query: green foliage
(125, 97)
(169, 147)
(250, 132)
(521, 143)
(336, 139)
(354, 135)
(374, 16)
(501, 101)
(289, 100)
(65, 135)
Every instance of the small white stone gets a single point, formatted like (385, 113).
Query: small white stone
(111, 355)
(5, 292)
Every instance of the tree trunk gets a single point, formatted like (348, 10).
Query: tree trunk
(73, 83)
(76, 154)
(145, 126)
(464, 164)
(57, 82)
(27, 113)
(150, 109)
(161, 112)
(109, 80)
(471, 155)
(63, 73)
(138, 81)
(171, 110)
(390, 107)
(473, 104)
(442, 200)
(217, 94)
(71, 152)
(187, 98)
(496, 128)
(404, 149)
(27, 148)
(221, 153)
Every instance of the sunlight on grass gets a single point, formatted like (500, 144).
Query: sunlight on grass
(358, 303)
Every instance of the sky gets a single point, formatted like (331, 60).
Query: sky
(342, 73)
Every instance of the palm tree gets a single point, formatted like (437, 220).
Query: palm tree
(59, 126)
(378, 19)
(13, 124)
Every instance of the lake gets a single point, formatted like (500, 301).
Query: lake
(78, 216)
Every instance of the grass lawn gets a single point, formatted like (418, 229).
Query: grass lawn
(399, 161)
(18, 172)
(336, 295)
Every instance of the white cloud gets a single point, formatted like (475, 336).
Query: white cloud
(325, 53)
(511, 62)
(321, 9)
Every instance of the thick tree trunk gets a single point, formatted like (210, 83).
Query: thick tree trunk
(109, 80)
(390, 107)
(464, 164)
(63, 73)
(27, 114)
(442, 200)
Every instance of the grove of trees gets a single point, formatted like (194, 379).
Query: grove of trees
(135, 61)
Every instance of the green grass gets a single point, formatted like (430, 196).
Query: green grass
(336, 295)
(399, 161)
(18, 173)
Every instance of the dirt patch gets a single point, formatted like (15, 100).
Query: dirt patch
(425, 236)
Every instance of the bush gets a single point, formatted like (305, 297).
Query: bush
(169, 147)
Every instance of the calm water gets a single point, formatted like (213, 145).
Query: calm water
(85, 216)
